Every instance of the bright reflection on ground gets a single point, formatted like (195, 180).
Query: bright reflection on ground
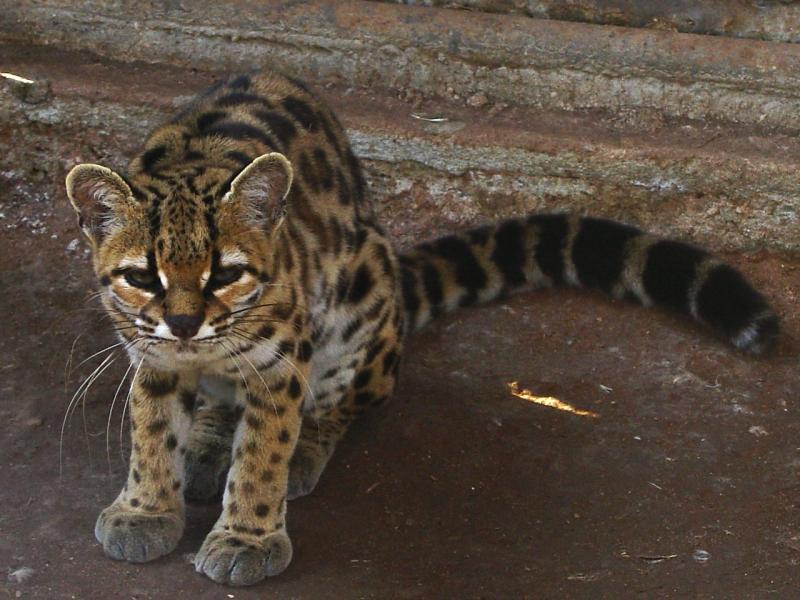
(548, 401)
(13, 77)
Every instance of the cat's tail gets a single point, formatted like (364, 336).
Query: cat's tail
(482, 264)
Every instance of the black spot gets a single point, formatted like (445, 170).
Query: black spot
(206, 120)
(262, 510)
(275, 458)
(258, 531)
(279, 125)
(232, 487)
(152, 156)
(248, 487)
(352, 328)
(286, 347)
(266, 331)
(302, 112)
(374, 350)
(509, 252)
(136, 477)
(159, 384)
(549, 251)
(239, 157)
(343, 188)
(304, 351)
(389, 361)
(187, 400)
(283, 436)
(323, 169)
(134, 502)
(157, 427)
(294, 388)
(242, 82)
(172, 442)
(669, 273)
(361, 285)
(267, 475)
(455, 250)
(432, 283)
(727, 302)
(105, 281)
(327, 129)
(254, 401)
(599, 252)
(363, 378)
(253, 421)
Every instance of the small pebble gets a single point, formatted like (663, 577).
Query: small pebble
(21, 575)
(701, 556)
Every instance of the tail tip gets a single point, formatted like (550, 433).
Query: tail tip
(759, 337)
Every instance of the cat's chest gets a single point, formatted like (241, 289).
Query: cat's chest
(339, 333)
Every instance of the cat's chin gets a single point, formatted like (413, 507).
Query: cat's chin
(172, 355)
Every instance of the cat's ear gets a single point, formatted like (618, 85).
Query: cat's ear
(98, 195)
(264, 184)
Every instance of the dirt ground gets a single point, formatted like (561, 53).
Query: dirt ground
(685, 485)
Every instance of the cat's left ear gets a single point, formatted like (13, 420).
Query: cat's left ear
(99, 196)
(264, 185)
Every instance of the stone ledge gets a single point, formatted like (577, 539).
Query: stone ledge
(725, 186)
(428, 52)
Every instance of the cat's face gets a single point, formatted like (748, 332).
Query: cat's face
(182, 260)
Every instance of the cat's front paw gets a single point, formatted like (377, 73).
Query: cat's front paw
(238, 560)
(137, 537)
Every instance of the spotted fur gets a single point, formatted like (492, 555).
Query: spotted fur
(264, 309)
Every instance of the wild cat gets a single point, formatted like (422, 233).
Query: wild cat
(241, 249)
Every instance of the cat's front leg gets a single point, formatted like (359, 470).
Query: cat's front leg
(147, 518)
(249, 541)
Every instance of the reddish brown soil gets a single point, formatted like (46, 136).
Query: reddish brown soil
(457, 489)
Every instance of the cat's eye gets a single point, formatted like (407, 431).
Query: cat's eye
(225, 276)
(141, 278)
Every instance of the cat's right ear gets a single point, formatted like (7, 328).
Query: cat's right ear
(97, 194)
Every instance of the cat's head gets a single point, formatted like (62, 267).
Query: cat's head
(179, 254)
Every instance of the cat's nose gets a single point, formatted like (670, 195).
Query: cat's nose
(184, 326)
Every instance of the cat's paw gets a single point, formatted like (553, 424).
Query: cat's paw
(204, 473)
(137, 537)
(233, 560)
(305, 469)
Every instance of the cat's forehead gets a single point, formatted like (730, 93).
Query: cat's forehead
(183, 229)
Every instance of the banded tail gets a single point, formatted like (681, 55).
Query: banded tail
(489, 262)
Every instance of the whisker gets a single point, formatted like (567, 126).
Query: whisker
(274, 406)
(128, 400)
(111, 347)
(282, 357)
(68, 366)
(108, 361)
(111, 413)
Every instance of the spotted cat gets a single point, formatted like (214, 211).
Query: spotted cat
(263, 308)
